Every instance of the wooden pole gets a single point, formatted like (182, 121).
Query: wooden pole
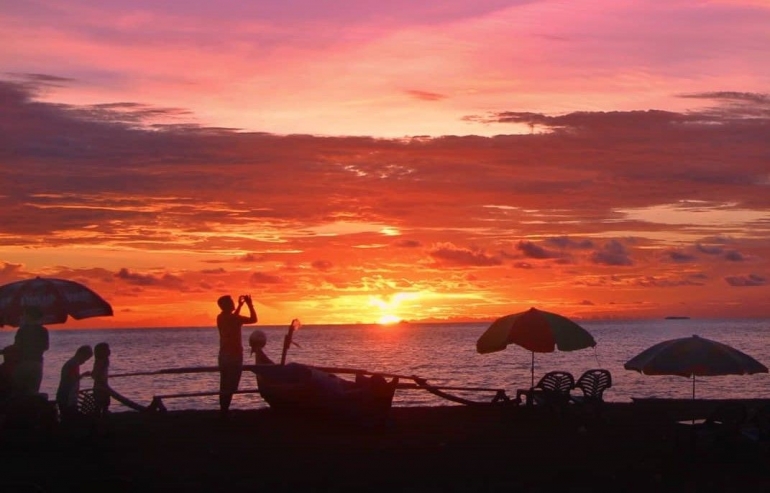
(286, 343)
(287, 339)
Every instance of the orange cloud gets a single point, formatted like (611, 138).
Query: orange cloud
(602, 206)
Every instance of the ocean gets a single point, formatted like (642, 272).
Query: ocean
(445, 354)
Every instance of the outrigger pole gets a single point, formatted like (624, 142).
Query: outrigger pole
(170, 371)
(419, 383)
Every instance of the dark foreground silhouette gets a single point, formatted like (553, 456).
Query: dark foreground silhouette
(454, 448)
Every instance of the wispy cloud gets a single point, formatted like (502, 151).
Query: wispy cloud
(425, 95)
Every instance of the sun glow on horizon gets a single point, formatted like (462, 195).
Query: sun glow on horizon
(388, 319)
(390, 305)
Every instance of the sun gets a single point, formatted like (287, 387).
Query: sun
(388, 319)
(389, 304)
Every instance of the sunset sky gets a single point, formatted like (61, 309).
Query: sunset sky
(359, 161)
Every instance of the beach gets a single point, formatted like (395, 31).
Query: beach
(628, 447)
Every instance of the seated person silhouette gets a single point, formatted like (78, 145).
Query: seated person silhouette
(257, 342)
(10, 360)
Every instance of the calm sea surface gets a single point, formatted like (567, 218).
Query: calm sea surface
(443, 353)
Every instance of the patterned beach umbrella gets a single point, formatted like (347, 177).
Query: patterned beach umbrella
(56, 298)
(536, 330)
(694, 356)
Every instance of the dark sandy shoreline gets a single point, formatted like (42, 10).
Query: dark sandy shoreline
(634, 447)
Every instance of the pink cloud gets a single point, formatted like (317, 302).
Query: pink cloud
(425, 95)
(294, 67)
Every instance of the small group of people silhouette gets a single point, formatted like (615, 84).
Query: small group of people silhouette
(69, 382)
(21, 372)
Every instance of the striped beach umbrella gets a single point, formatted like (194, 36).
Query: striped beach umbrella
(536, 330)
(57, 299)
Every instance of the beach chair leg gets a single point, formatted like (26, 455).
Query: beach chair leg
(156, 406)
(500, 396)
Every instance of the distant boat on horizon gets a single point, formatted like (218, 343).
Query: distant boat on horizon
(677, 317)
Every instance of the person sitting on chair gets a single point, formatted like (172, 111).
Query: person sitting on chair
(10, 360)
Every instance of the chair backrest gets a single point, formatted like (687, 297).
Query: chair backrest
(594, 382)
(560, 382)
(87, 403)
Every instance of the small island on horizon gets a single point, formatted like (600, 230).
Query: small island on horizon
(677, 317)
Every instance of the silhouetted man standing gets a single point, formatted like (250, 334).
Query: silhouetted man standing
(229, 323)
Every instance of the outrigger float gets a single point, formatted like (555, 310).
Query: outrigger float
(295, 387)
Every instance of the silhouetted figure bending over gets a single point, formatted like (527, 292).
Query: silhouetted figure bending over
(229, 323)
(69, 383)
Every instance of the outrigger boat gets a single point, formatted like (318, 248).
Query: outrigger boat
(298, 388)
(301, 388)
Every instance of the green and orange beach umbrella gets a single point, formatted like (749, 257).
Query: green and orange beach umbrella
(694, 356)
(536, 330)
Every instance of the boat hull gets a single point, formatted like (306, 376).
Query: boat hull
(297, 388)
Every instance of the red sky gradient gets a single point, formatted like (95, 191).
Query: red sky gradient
(357, 161)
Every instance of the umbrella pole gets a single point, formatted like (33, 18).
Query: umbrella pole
(532, 370)
(693, 396)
